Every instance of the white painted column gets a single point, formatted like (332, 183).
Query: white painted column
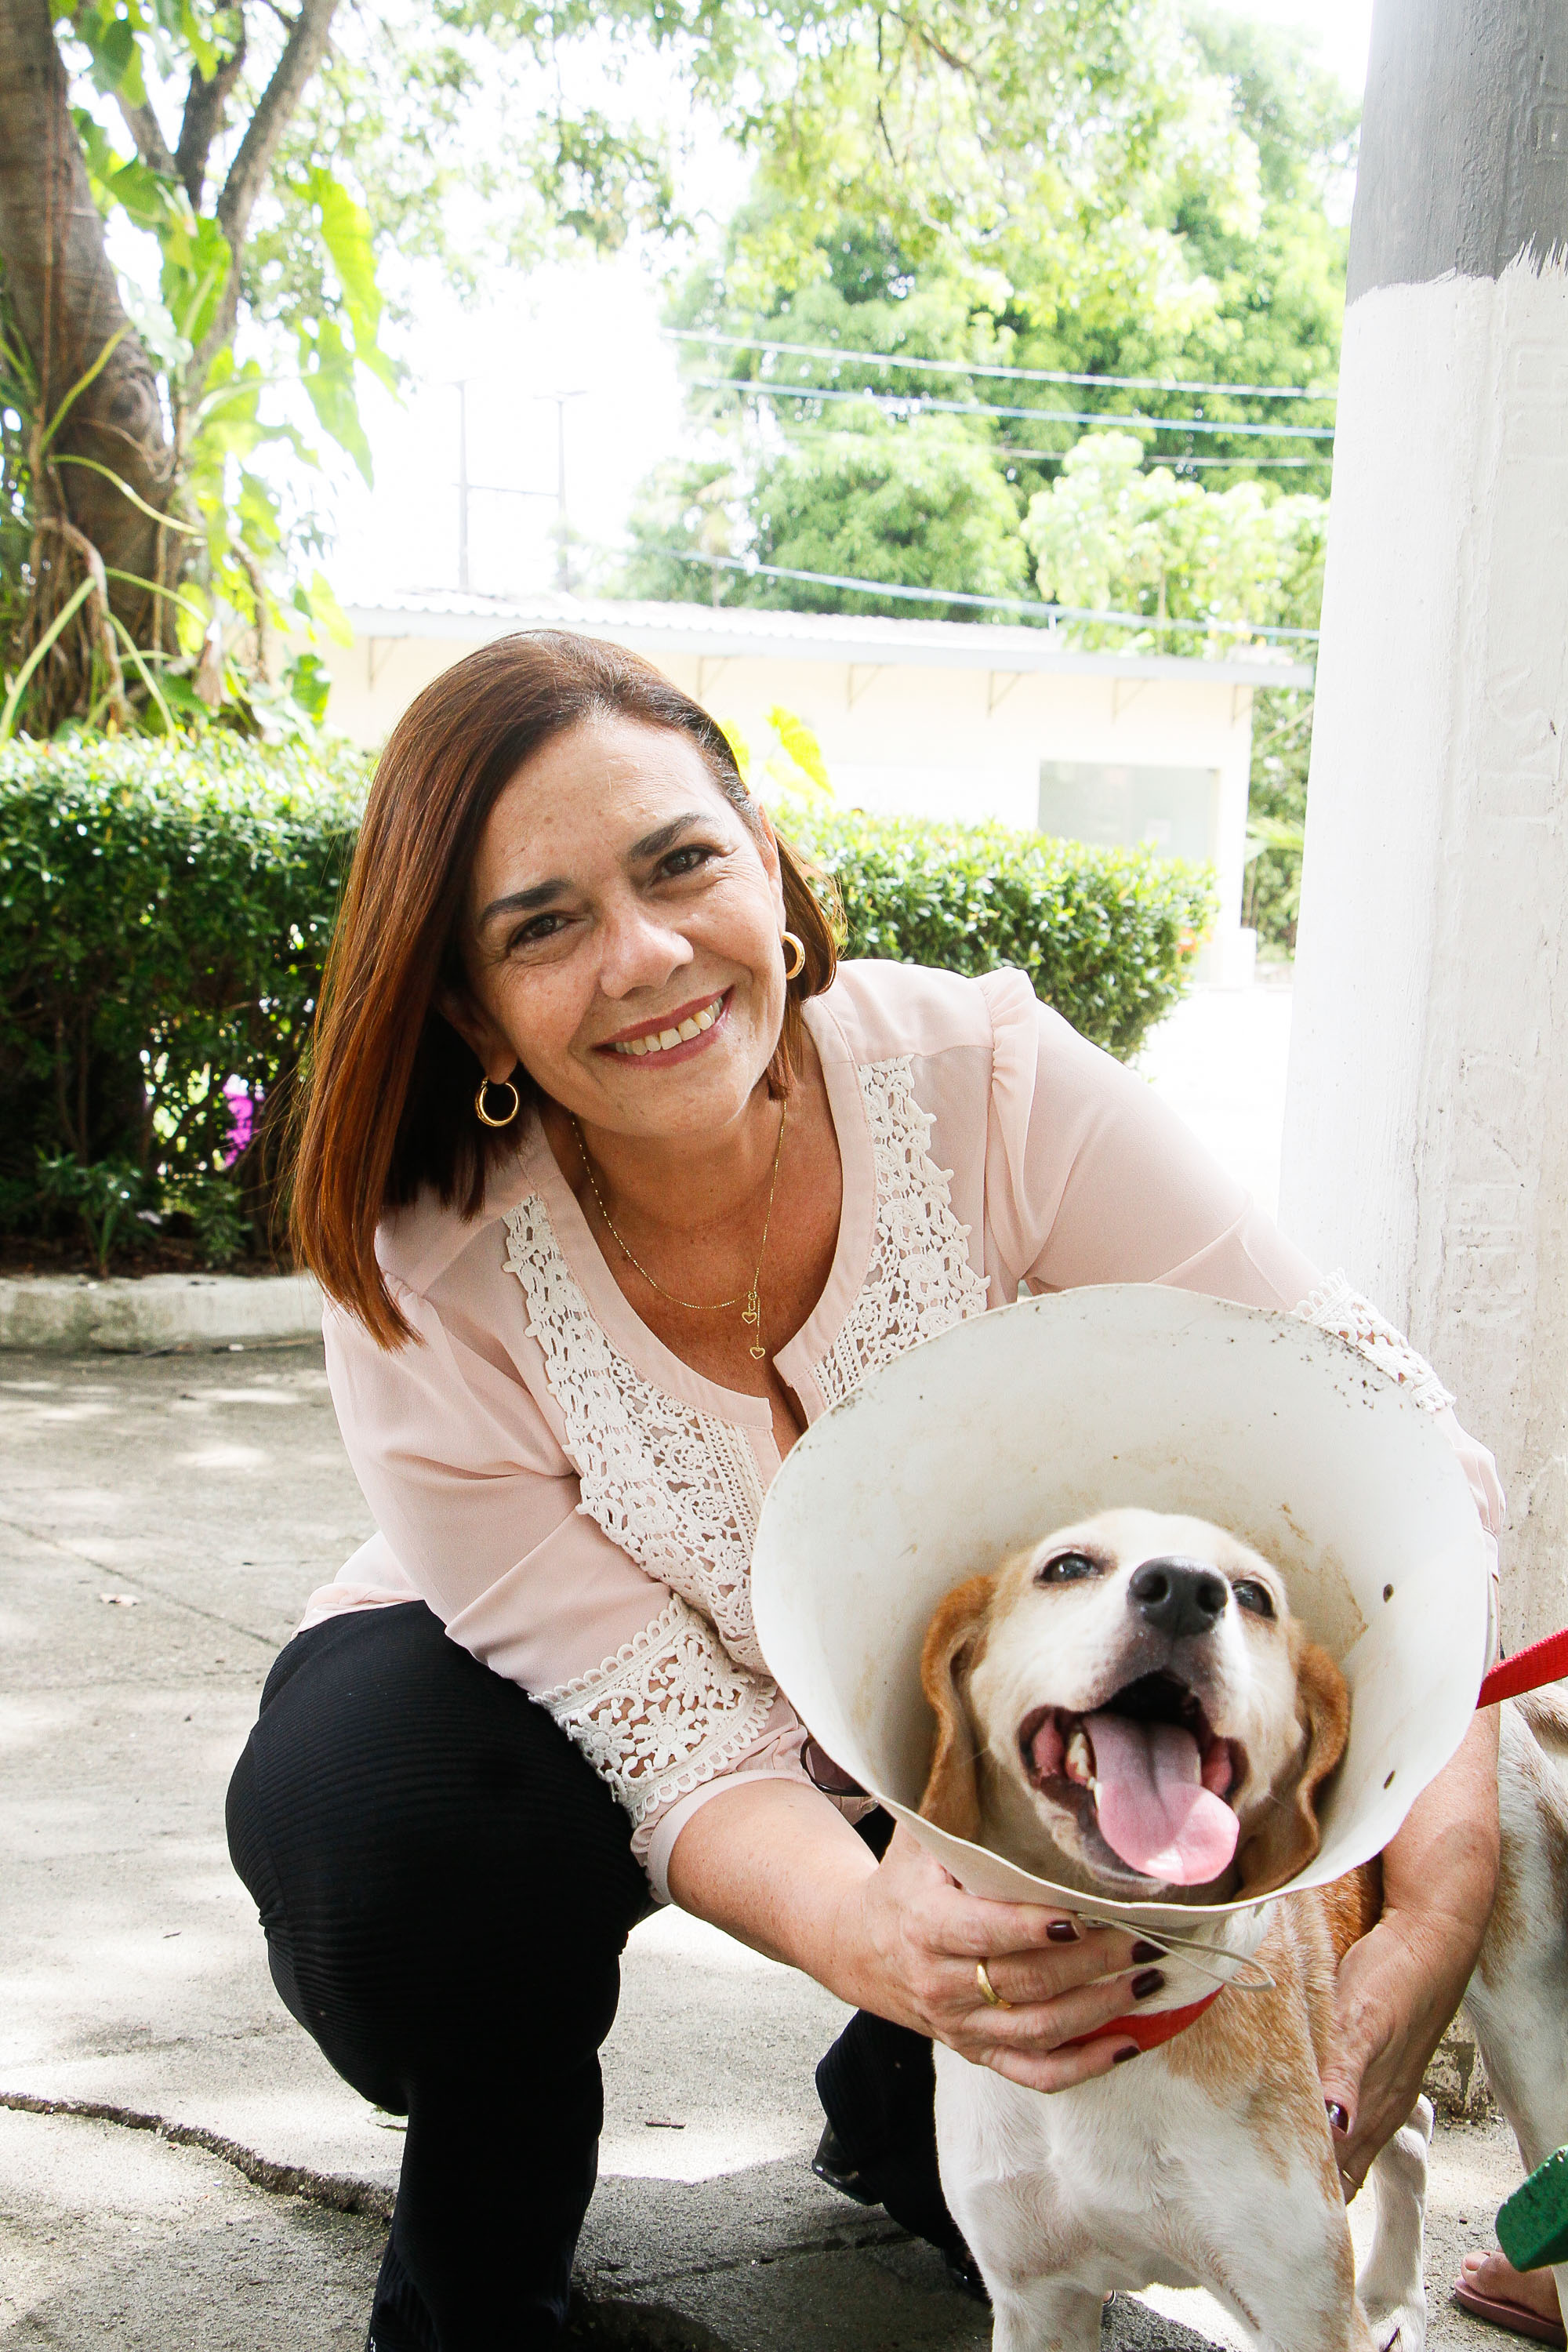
(1426, 1123)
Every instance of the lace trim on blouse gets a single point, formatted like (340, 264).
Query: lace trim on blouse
(919, 1280)
(664, 1715)
(1337, 1307)
(677, 1489)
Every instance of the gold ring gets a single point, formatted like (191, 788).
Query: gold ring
(988, 1992)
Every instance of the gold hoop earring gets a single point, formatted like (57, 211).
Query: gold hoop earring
(791, 940)
(484, 1117)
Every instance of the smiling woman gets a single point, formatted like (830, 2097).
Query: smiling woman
(615, 1180)
(441, 896)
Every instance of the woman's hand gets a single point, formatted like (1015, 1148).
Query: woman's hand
(1398, 1987)
(774, 1864)
(923, 1936)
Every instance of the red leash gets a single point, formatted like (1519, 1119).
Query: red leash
(1545, 1661)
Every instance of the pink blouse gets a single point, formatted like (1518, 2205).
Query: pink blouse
(577, 1505)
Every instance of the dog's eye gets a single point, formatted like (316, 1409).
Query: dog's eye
(1066, 1567)
(1254, 1596)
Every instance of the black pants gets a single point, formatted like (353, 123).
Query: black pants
(446, 1887)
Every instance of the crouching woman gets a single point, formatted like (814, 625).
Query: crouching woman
(615, 1179)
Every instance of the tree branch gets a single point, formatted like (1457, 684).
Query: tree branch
(302, 53)
(205, 105)
(65, 301)
(146, 130)
(91, 562)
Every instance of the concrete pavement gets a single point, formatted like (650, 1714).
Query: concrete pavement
(162, 1520)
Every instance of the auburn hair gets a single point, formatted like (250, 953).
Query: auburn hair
(387, 1105)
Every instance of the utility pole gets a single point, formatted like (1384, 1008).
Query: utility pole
(563, 565)
(1427, 1121)
(467, 488)
(462, 388)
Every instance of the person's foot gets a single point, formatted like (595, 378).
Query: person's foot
(1493, 2276)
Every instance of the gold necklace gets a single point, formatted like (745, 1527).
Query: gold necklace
(752, 1309)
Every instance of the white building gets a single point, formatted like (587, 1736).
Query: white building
(943, 718)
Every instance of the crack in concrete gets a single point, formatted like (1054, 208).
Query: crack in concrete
(342, 2193)
(836, 2243)
(134, 1576)
(339, 2190)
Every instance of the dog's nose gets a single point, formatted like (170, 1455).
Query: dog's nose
(1178, 1597)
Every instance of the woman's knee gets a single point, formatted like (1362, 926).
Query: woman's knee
(402, 1813)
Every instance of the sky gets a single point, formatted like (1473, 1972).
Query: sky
(591, 330)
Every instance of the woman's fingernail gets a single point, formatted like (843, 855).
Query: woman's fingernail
(1062, 1931)
(1150, 1980)
(1339, 2120)
(1146, 1951)
(1122, 2055)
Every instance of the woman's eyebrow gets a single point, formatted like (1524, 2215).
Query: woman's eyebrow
(523, 902)
(652, 845)
(540, 894)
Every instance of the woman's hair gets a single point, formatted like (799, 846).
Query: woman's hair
(388, 1106)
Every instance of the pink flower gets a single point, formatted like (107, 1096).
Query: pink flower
(242, 1107)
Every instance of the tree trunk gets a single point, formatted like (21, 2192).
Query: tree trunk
(68, 307)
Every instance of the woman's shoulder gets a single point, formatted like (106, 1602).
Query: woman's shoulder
(422, 1242)
(885, 1011)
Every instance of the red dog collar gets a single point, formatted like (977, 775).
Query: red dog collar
(1148, 2029)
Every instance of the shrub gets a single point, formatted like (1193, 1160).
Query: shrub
(164, 912)
(1104, 935)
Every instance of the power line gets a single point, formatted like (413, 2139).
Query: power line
(1016, 375)
(885, 399)
(1005, 449)
(1052, 613)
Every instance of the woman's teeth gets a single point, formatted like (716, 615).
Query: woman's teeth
(692, 1026)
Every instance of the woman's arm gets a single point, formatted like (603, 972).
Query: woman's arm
(776, 1866)
(1398, 1987)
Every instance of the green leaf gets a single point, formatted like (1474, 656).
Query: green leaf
(309, 683)
(316, 598)
(116, 59)
(202, 46)
(327, 373)
(800, 745)
(196, 263)
(153, 202)
(346, 234)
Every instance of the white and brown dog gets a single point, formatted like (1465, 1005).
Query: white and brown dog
(1129, 1708)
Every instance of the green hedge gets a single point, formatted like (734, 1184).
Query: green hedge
(1104, 935)
(165, 911)
(163, 915)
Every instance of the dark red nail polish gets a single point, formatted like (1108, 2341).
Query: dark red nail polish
(1062, 1931)
(1338, 2119)
(1150, 1980)
(1146, 1951)
(1121, 2056)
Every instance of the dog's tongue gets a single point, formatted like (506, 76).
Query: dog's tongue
(1154, 1809)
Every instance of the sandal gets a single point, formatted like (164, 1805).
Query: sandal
(1511, 2316)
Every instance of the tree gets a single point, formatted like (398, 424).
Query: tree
(126, 416)
(271, 163)
(917, 505)
(1108, 537)
(1178, 224)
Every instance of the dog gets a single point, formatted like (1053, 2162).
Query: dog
(1129, 1708)
(1517, 2000)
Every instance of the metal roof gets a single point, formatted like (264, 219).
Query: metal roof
(726, 633)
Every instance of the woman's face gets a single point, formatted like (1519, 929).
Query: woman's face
(624, 931)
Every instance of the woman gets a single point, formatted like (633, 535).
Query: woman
(614, 1184)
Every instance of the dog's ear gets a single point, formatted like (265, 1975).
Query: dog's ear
(1287, 1837)
(952, 1797)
